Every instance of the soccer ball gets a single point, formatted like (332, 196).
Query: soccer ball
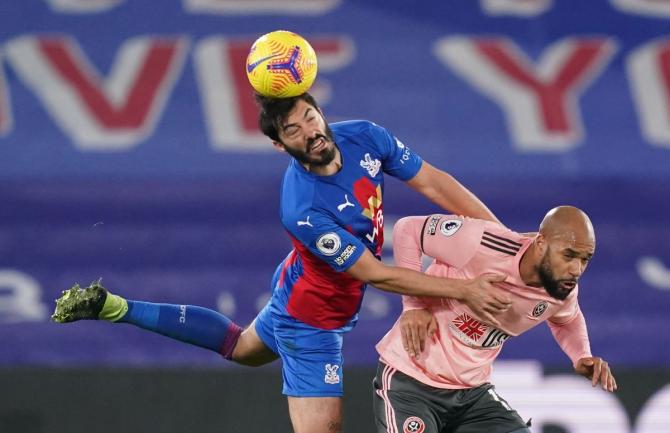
(281, 64)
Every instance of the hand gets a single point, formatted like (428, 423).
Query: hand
(415, 325)
(598, 370)
(484, 299)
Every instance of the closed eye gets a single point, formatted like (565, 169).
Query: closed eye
(291, 130)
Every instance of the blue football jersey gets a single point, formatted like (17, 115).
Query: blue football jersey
(332, 219)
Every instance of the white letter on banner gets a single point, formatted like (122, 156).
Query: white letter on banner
(540, 102)
(230, 111)
(83, 6)
(5, 108)
(651, 8)
(649, 76)
(565, 400)
(523, 8)
(248, 7)
(20, 298)
(100, 114)
(655, 414)
(653, 272)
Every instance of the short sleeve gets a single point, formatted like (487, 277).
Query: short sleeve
(326, 240)
(397, 158)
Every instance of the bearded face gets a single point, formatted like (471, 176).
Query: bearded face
(319, 150)
(558, 287)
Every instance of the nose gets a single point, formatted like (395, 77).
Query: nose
(576, 268)
(312, 132)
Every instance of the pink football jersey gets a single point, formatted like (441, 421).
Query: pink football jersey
(463, 350)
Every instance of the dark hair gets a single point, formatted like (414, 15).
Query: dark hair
(274, 111)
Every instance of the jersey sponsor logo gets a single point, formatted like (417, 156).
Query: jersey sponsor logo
(449, 227)
(348, 251)
(469, 326)
(369, 197)
(305, 223)
(329, 244)
(540, 308)
(371, 165)
(474, 333)
(332, 378)
(413, 424)
(346, 203)
(494, 338)
(405, 151)
(431, 227)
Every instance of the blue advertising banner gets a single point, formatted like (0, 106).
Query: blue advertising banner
(129, 151)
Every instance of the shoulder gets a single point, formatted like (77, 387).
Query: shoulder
(498, 231)
(357, 129)
(363, 135)
(353, 127)
(501, 241)
(451, 239)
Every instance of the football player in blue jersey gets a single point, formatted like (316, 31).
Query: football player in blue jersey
(332, 208)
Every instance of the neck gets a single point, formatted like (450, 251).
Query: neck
(326, 170)
(528, 267)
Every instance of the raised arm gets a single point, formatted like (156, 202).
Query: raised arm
(442, 189)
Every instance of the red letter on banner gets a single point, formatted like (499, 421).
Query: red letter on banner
(230, 110)
(100, 114)
(649, 75)
(540, 101)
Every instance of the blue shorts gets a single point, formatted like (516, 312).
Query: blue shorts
(312, 357)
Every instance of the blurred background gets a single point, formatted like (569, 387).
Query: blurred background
(129, 151)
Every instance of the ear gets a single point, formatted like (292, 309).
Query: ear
(542, 244)
(279, 146)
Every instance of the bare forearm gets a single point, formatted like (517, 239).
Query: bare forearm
(445, 191)
(456, 198)
(412, 283)
(479, 294)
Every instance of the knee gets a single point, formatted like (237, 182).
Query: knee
(251, 351)
(247, 359)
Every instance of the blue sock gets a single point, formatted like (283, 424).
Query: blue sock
(195, 325)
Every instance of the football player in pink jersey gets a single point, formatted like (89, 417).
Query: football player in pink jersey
(435, 363)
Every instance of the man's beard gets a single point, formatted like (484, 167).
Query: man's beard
(324, 158)
(549, 281)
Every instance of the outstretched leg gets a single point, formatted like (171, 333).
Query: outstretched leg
(191, 324)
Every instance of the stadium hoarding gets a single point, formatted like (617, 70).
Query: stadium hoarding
(133, 154)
